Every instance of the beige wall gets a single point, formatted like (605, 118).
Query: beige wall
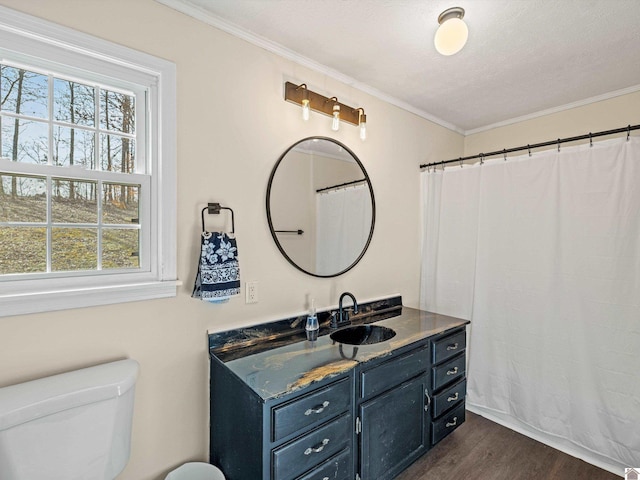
(600, 116)
(233, 124)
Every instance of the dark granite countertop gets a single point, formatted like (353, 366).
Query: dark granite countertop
(295, 363)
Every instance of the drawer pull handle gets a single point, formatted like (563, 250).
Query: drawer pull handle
(452, 372)
(453, 398)
(453, 346)
(317, 449)
(452, 424)
(318, 409)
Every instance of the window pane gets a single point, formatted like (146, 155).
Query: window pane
(117, 112)
(120, 248)
(117, 154)
(24, 140)
(23, 249)
(73, 201)
(24, 92)
(73, 102)
(74, 249)
(120, 204)
(22, 199)
(73, 146)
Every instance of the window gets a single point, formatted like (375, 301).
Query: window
(87, 170)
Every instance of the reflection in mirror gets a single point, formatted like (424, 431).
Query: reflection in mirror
(320, 207)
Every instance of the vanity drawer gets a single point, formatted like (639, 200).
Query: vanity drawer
(393, 372)
(448, 372)
(305, 453)
(449, 346)
(449, 398)
(336, 468)
(309, 409)
(448, 423)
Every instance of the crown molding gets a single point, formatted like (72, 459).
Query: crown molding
(550, 111)
(198, 13)
(273, 47)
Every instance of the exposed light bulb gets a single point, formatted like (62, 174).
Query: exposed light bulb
(363, 127)
(452, 34)
(305, 109)
(335, 123)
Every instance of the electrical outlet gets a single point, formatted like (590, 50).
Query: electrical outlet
(251, 292)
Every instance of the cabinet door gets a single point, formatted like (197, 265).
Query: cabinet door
(395, 430)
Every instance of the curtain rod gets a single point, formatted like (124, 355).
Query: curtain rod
(340, 185)
(481, 156)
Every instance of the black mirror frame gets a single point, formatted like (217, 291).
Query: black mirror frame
(373, 207)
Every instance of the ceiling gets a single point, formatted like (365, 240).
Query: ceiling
(523, 58)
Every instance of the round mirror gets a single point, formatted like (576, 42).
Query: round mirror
(320, 207)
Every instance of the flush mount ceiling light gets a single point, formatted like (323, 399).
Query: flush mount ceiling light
(452, 33)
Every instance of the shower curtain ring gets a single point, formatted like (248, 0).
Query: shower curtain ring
(529, 148)
(482, 159)
(558, 145)
(628, 132)
(460, 162)
(590, 140)
(505, 154)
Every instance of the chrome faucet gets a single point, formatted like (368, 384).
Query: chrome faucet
(344, 314)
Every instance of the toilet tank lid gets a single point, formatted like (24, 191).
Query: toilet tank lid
(31, 400)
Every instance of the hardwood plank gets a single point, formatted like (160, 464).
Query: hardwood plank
(483, 449)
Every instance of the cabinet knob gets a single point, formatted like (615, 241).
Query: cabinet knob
(318, 409)
(318, 448)
(453, 346)
(453, 423)
(452, 372)
(453, 398)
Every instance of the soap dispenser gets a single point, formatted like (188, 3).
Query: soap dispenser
(312, 319)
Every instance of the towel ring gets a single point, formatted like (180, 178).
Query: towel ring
(214, 209)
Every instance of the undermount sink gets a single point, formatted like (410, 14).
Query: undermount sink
(363, 334)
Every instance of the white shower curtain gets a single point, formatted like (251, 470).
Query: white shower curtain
(343, 223)
(542, 254)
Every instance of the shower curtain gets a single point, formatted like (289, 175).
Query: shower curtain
(542, 254)
(343, 222)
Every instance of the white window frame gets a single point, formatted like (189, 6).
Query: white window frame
(27, 39)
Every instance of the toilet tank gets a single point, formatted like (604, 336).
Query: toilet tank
(72, 426)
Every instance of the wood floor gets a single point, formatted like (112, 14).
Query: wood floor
(483, 450)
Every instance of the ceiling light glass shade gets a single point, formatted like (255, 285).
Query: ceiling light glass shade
(335, 123)
(451, 35)
(363, 127)
(305, 109)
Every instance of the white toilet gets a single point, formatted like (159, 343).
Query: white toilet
(72, 426)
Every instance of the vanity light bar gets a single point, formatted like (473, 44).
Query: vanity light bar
(301, 95)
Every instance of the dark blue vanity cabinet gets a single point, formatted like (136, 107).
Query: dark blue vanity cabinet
(449, 384)
(291, 409)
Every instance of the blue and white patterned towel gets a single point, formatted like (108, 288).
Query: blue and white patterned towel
(218, 276)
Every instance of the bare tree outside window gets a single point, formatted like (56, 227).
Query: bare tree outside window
(79, 138)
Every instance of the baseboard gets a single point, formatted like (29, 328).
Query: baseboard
(553, 441)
